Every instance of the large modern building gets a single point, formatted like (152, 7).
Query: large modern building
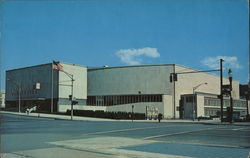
(129, 88)
(141, 87)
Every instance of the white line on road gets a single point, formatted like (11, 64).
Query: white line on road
(185, 132)
(215, 145)
(236, 129)
(239, 129)
(133, 129)
(220, 135)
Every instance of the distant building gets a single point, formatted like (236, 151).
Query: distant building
(2, 99)
(139, 88)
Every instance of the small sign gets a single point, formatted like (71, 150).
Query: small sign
(38, 85)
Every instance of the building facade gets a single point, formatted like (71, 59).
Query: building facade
(46, 88)
(128, 88)
(139, 87)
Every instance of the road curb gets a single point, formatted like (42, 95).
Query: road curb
(87, 119)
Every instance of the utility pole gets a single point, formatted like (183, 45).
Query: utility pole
(247, 97)
(132, 113)
(72, 85)
(175, 79)
(19, 99)
(52, 87)
(221, 92)
(231, 98)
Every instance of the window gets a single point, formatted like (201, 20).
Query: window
(123, 99)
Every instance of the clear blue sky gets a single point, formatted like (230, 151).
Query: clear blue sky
(193, 33)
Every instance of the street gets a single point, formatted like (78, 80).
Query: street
(23, 136)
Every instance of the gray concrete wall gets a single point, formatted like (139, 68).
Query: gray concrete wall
(27, 78)
(130, 80)
(138, 107)
(168, 106)
(63, 108)
(200, 105)
(65, 84)
(80, 81)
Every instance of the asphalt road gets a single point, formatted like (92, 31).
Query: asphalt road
(39, 137)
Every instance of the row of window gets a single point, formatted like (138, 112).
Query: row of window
(209, 112)
(122, 99)
(226, 103)
(216, 112)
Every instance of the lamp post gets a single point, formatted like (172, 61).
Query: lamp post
(132, 113)
(230, 77)
(19, 93)
(247, 98)
(72, 84)
(194, 88)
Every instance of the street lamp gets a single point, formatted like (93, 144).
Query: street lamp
(247, 93)
(194, 88)
(230, 77)
(19, 93)
(132, 113)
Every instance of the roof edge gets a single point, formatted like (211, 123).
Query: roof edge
(44, 65)
(129, 66)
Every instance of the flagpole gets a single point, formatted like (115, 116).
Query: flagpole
(52, 87)
(72, 110)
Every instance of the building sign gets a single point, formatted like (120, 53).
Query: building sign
(152, 112)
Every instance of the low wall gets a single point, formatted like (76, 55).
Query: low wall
(138, 107)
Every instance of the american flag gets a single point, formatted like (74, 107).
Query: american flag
(57, 66)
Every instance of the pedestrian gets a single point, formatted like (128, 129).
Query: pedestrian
(159, 117)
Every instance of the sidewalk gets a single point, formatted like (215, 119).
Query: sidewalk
(57, 117)
(79, 118)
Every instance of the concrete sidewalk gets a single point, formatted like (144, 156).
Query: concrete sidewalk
(79, 118)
